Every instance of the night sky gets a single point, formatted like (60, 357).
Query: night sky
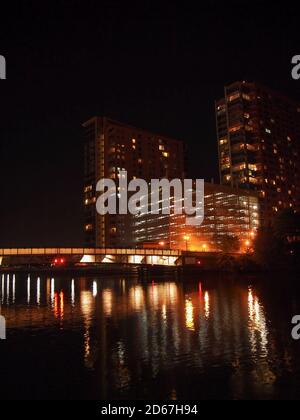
(158, 67)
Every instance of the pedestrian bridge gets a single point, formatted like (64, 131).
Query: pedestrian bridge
(163, 257)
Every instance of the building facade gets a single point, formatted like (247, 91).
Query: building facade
(228, 213)
(258, 134)
(111, 147)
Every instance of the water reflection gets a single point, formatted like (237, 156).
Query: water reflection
(150, 339)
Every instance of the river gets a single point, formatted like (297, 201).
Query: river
(206, 337)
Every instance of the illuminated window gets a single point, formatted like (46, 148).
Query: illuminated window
(246, 97)
(88, 227)
(165, 154)
(235, 129)
(133, 141)
(268, 131)
(223, 141)
(253, 168)
(161, 147)
(88, 188)
(234, 96)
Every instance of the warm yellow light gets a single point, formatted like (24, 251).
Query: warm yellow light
(162, 243)
(186, 238)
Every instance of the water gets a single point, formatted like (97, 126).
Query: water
(97, 338)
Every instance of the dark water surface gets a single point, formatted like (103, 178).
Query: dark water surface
(99, 338)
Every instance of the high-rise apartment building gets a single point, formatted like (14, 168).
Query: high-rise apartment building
(111, 147)
(258, 134)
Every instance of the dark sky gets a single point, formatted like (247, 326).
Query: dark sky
(156, 65)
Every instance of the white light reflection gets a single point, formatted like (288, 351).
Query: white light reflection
(206, 305)
(189, 315)
(73, 292)
(7, 288)
(14, 288)
(28, 290)
(258, 330)
(95, 289)
(38, 291)
(52, 291)
(2, 289)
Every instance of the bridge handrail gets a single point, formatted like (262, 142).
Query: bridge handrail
(9, 252)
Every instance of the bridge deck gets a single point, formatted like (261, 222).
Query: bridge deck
(6, 252)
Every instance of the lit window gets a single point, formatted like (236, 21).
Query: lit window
(268, 131)
(88, 188)
(234, 96)
(247, 97)
(223, 141)
(165, 154)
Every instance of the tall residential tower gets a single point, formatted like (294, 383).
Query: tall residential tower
(111, 147)
(259, 145)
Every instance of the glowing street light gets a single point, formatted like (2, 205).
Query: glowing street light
(187, 239)
(248, 243)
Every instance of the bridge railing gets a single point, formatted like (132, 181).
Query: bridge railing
(85, 251)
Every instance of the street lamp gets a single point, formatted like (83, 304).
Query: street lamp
(187, 239)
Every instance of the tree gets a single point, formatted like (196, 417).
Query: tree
(228, 244)
(276, 246)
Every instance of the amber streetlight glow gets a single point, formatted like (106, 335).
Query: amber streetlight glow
(187, 239)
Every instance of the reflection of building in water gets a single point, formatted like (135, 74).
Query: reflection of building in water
(107, 297)
(189, 315)
(128, 329)
(87, 305)
(258, 332)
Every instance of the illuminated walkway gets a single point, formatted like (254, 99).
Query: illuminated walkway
(91, 255)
